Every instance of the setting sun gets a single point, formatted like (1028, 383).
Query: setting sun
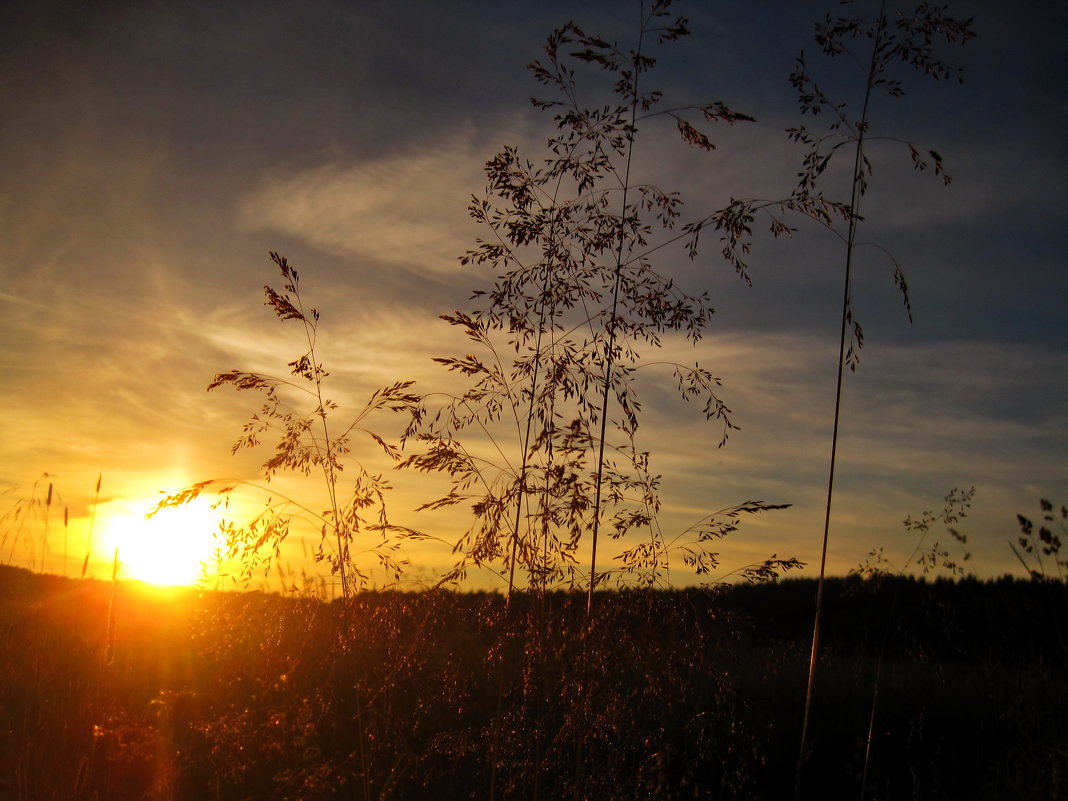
(168, 548)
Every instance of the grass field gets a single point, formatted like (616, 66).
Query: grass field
(138, 693)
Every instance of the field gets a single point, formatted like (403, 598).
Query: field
(129, 692)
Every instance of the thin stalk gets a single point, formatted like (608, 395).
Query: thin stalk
(92, 523)
(545, 510)
(109, 647)
(611, 326)
(328, 461)
(802, 755)
(530, 417)
(330, 475)
(522, 489)
(495, 741)
(47, 527)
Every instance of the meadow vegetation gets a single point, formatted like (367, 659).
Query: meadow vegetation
(584, 677)
(692, 693)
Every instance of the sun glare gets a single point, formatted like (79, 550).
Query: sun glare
(167, 549)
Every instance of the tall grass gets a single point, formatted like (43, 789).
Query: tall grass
(356, 536)
(27, 519)
(544, 444)
(19, 519)
(880, 45)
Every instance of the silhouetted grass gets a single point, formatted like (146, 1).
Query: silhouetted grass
(682, 694)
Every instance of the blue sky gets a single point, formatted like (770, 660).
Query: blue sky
(153, 154)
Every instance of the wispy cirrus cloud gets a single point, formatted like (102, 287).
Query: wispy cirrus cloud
(402, 209)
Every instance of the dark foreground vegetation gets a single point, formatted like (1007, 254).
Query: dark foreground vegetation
(690, 694)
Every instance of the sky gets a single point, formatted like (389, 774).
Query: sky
(154, 152)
